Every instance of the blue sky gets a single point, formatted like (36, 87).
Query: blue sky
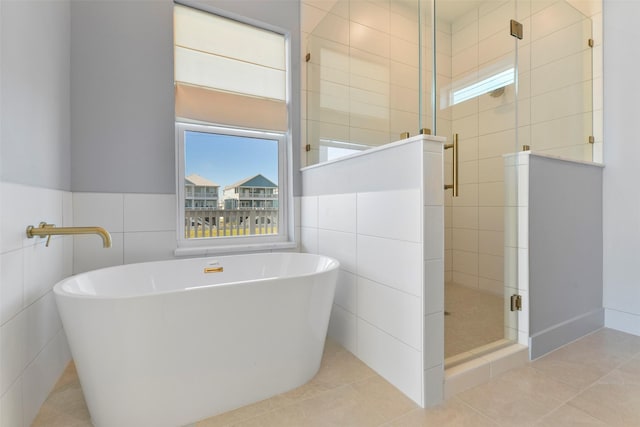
(226, 159)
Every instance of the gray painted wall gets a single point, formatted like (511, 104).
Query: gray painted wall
(122, 101)
(122, 129)
(565, 251)
(35, 93)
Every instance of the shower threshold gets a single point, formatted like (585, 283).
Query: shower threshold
(458, 359)
(479, 368)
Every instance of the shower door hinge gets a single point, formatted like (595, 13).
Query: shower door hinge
(516, 29)
(516, 302)
(307, 147)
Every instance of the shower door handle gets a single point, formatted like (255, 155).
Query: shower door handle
(454, 169)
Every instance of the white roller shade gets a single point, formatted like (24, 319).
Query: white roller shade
(226, 55)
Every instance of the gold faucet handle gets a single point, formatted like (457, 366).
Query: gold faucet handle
(45, 225)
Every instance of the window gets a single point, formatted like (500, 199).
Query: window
(490, 78)
(232, 132)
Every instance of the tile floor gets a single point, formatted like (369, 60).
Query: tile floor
(594, 381)
(475, 319)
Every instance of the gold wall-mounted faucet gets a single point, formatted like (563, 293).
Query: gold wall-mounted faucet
(49, 230)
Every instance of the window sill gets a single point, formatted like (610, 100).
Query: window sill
(219, 250)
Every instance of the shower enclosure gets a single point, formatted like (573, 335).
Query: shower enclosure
(493, 76)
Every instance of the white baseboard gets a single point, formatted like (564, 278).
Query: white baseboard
(622, 321)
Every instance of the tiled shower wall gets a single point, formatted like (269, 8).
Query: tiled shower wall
(555, 111)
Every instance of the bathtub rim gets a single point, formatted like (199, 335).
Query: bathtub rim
(60, 292)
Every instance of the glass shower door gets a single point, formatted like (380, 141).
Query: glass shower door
(476, 108)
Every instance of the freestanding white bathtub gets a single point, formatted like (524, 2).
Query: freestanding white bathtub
(166, 344)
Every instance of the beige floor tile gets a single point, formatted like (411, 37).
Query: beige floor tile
(344, 406)
(244, 413)
(50, 416)
(568, 416)
(291, 416)
(631, 370)
(519, 397)
(385, 398)
(65, 405)
(452, 413)
(348, 393)
(614, 402)
(338, 368)
(582, 363)
(606, 336)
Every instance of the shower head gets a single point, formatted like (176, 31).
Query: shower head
(497, 92)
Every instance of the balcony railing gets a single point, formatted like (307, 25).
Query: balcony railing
(259, 195)
(208, 222)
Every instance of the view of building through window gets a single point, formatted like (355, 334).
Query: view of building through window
(230, 185)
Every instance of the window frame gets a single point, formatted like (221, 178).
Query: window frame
(234, 243)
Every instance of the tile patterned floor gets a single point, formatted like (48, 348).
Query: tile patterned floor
(594, 381)
(475, 318)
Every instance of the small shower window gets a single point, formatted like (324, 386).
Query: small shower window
(490, 78)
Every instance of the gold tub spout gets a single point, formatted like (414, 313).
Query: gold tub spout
(49, 230)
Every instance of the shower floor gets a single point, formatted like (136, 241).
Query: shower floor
(473, 318)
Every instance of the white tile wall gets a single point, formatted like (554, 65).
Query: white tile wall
(337, 212)
(343, 329)
(309, 212)
(339, 245)
(149, 212)
(378, 214)
(42, 373)
(142, 228)
(397, 362)
(309, 240)
(396, 313)
(88, 253)
(395, 263)
(33, 348)
(391, 247)
(11, 406)
(433, 340)
(41, 264)
(346, 291)
(14, 344)
(434, 292)
(99, 209)
(11, 296)
(44, 323)
(149, 246)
